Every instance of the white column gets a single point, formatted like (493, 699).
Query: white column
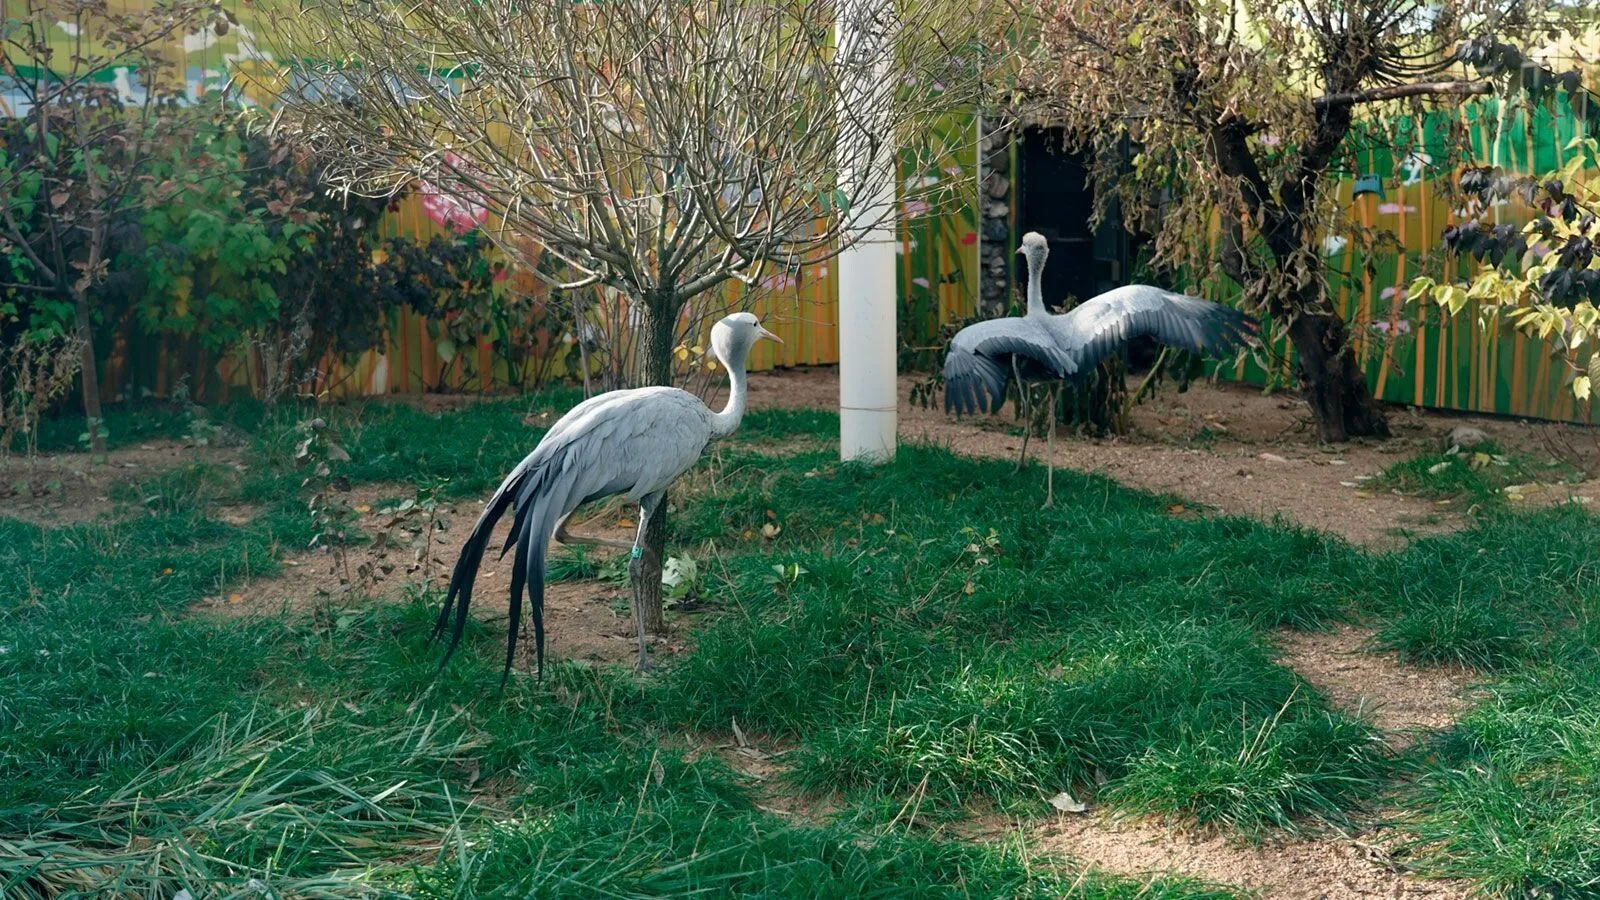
(868, 390)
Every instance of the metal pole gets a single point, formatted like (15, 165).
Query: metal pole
(868, 390)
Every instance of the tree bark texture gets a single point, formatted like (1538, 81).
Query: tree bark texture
(1331, 376)
(655, 368)
(1333, 381)
(89, 374)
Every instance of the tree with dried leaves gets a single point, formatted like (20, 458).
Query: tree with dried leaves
(72, 166)
(1242, 113)
(655, 150)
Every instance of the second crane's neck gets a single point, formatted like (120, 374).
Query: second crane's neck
(1036, 305)
(727, 422)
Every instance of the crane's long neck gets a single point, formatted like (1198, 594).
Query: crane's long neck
(1036, 305)
(727, 422)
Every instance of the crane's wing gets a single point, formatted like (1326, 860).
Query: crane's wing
(634, 442)
(1100, 326)
(978, 364)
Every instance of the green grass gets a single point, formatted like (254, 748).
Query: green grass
(1511, 798)
(144, 748)
(1480, 475)
(923, 632)
(953, 639)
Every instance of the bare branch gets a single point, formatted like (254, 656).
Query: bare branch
(1455, 88)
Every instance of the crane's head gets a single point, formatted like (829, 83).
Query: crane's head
(1034, 247)
(733, 337)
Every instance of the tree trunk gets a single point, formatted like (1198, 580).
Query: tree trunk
(655, 368)
(1334, 384)
(89, 374)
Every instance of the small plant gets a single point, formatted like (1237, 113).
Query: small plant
(33, 375)
(332, 518)
(785, 576)
(412, 523)
(680, 581)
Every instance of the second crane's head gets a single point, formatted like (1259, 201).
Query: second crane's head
(734, 335)
(1035, 248)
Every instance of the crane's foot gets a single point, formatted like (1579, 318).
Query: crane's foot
(643, 664)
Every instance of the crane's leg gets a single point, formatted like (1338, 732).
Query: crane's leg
(565, 537)
(1024, 401)
(1050, 445)
(647, 508)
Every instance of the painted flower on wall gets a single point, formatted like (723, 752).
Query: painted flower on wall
(451, 203)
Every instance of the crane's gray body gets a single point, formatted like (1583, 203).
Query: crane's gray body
(630, 442)
(1069, 346)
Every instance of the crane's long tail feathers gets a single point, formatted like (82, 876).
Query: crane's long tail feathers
(531, 533)
(518, 488)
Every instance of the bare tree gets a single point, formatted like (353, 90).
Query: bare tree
(655, 150)
(1241, 112)
(72, 164)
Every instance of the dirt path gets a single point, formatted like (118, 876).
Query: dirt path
(1403, 701)
(67, 488)
(1327, 868)
(586, 620)
(1226, 446)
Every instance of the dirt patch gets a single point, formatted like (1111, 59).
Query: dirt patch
(70, 488)
(759, 759)
(1322, 868)
(1403, 701)
(1224, 445)
(586, 620)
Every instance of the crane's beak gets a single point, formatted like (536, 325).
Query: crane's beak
(763, 333)
(1021, 250)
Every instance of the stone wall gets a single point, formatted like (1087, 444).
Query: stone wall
(995, 250)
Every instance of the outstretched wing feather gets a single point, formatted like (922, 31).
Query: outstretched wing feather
(978, 364)
(1100, 327)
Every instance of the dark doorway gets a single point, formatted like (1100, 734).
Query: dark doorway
(1056, 200)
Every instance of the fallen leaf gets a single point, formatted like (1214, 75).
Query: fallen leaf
(770, 531)
(1065, 802)
(1365, 495)
(1175, 508)
(364, 509)
(235, 598)
(1271, 457)
(738, 735)
(166, 571)
(1436, 468)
